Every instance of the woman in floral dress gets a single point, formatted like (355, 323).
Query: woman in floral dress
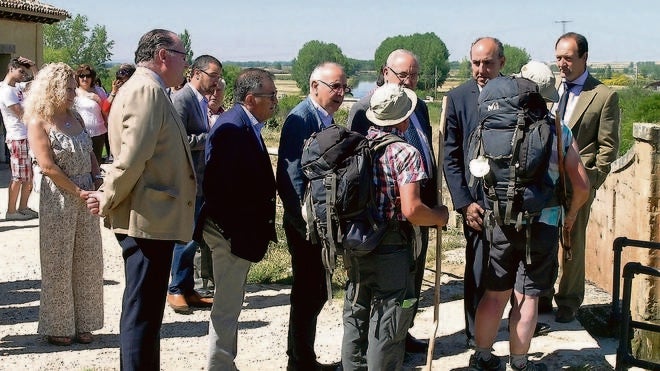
(69, 236)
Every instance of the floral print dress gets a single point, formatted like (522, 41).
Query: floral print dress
(70, 245)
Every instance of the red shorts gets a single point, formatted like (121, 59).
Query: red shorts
(21, 165)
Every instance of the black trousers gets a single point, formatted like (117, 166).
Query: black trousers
(147, 268)
(308, 295)
(476, 261)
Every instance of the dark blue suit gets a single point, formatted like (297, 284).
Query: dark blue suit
(308, 293)
(239, 185)
(357, 121)
(462, 118)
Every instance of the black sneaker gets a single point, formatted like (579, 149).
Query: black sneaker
(530, 366)
(476, 364)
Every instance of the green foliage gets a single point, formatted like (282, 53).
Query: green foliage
(465, 69)
(71, 41)
(649, 70)
(429, 48)
(185, 39)
(309, 56)
(229, 74)
(637, 105)
(515, 59)
(284, 105)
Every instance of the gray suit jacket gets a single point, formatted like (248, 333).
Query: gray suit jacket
(595, 125)
(195, 121)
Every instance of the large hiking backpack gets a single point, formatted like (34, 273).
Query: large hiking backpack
(514, 138)
(339, 203)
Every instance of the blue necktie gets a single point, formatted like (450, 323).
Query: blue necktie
(563, 101)
(412, 137)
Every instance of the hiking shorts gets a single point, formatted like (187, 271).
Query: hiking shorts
(507, 266)
(21, 165)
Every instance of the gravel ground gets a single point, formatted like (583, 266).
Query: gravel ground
(263, 322)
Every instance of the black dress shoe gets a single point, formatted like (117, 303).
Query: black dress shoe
(542, 328)
(414, 345)
(545, 305)
(564, 315)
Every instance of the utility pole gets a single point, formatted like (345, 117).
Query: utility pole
(563, 25)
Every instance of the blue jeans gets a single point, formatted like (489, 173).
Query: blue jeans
(183, 270)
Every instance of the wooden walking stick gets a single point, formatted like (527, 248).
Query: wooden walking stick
(438, 240)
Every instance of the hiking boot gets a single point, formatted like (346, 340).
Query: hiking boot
(29, 212)
(477, 364)
(530, 366)
(17, 216)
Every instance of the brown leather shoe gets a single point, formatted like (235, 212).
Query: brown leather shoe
(197, 301)
(178, 303)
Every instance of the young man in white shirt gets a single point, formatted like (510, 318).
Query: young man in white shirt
(11, 98)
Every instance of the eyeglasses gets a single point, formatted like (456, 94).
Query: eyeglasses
(337, 87)
(184, 54)
(272, 96)
(404, 75)
(213, 75)
(85, 76)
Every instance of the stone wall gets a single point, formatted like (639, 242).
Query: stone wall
(627, 206)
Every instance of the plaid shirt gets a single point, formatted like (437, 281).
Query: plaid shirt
(398, 164)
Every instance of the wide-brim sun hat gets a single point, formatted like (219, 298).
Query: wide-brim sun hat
(542, 75)
(391, 104)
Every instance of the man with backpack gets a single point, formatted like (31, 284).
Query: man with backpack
(515, 155)
(327, 87)
(486, 61)
(402, 67)
(378, 306)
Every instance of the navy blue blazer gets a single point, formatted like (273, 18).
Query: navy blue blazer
(461, 119)
(239, 185)
(300, 124)
(358, 121)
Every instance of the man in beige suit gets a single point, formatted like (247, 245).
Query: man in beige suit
(591, 111)
(148, 194)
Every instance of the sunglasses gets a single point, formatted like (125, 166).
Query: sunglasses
(85, 76)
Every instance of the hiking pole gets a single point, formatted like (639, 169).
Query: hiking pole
(438, 239)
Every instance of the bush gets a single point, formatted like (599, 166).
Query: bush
(637, 105)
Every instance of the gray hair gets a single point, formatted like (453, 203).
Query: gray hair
(150, 42)
(316, 73)
(398, 53)
(248, 81)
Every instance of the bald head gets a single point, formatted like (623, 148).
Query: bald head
(327, 84)
(402, 68)
(486, 59)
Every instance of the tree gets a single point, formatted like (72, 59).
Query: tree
(309, 56)
(429, 48)
(229, 74)
(185, 39)
(515, 59)
(71, 42)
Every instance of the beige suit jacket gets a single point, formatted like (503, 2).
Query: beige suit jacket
(595, 126)
(149, 190)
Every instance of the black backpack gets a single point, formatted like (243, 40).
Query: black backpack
(515, 137)
(339, 203)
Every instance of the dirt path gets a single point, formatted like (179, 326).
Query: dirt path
(263, 322)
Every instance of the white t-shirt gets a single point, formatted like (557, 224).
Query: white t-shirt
(9, 96)
(90, 111)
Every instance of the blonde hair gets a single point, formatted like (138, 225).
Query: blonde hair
(48, 91)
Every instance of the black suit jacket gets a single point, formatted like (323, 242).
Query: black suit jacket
(461, 119)
(358, 121)
(239, 185)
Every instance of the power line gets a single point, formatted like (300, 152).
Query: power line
(563, 25)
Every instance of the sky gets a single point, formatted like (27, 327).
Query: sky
(267, 30)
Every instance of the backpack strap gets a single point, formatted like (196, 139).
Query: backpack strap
(515, 141)
(329, 250)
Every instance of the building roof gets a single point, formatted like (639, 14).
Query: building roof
(31, 11)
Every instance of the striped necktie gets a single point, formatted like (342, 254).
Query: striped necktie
(412, 137)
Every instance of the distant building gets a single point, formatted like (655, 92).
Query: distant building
(21, 29)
